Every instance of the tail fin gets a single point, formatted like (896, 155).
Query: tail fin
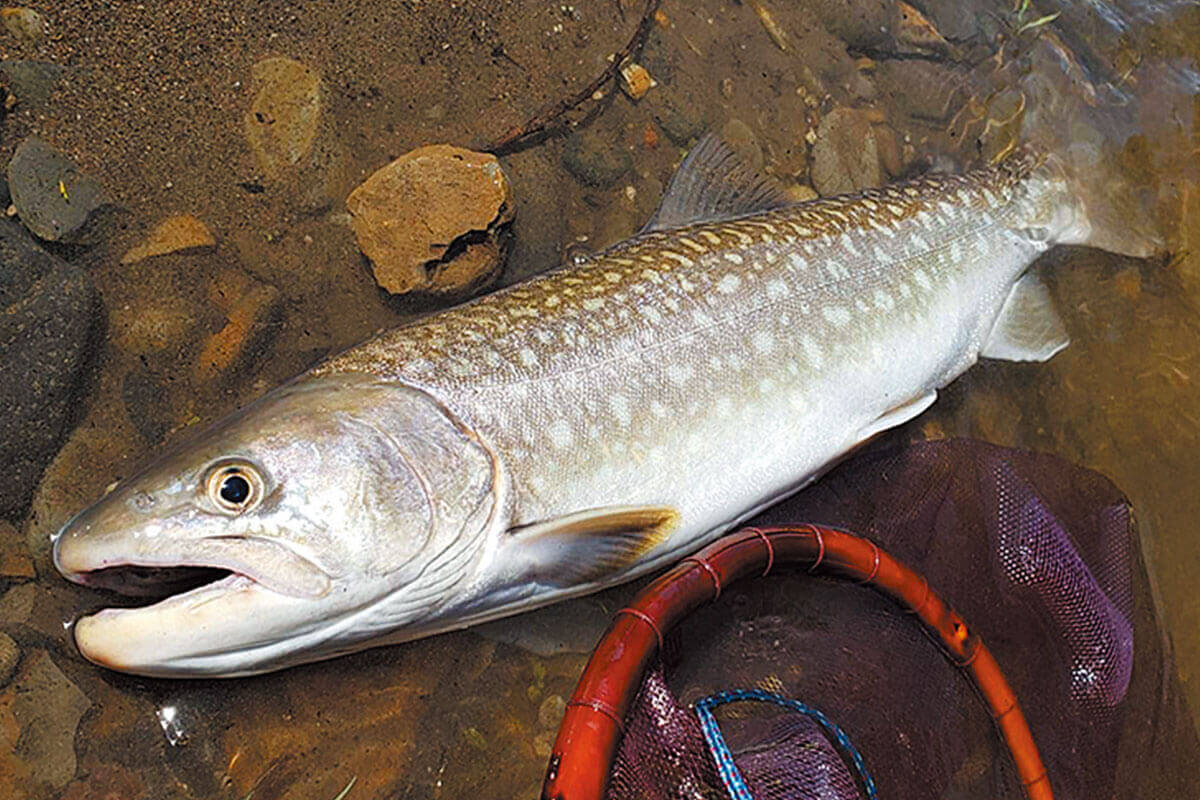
(1097, 140)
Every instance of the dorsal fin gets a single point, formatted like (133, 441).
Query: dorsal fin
(714, 182)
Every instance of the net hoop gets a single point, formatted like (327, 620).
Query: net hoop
(591, 729)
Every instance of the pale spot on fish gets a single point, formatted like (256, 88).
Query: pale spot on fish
(729, 283)
(527, 357)
(922, 279)
(613, 277)
(836, 315)
(593, 304)
(678, 258)
(762, 341)
(776, 290)
(734, 258)
(884, 300)
(679, 374)
(619, 405)
(560, 434)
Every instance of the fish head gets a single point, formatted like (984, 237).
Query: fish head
(329, 512)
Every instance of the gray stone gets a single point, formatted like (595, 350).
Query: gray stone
(845, 157)
(595, 160)
(53, 196)
(47, 310)
(31, 82)
(679, 122)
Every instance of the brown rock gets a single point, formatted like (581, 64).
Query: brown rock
(14, 558)
(105, 782)
(47, 707)
(175, 233)
(248, 319)
(845, 157)
(285, 115)
(24, 23)
(434, 220)
(10, 654)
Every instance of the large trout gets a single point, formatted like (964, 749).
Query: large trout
(577, 430)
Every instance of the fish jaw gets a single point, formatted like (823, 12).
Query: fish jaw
(229, 628)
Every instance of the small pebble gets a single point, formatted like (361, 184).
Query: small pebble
(10, 654)
(595, 160)
(285, 114)
(636, 80)
(175, 233)
(24, 23)
(551, 711)
(52, 195)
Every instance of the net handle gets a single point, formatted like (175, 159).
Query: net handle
(591, 729)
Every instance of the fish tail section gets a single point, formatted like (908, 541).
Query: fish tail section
(1093, 138)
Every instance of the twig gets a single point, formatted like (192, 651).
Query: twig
(549, 116)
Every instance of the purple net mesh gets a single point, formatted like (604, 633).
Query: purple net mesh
(1041, 557)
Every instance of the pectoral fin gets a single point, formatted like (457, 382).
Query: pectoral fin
(1028, 328)
(591, 545)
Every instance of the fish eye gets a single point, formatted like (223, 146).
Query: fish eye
(234, 487)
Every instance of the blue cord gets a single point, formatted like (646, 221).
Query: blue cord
(730, 775)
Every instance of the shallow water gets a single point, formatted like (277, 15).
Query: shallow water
(152, 104)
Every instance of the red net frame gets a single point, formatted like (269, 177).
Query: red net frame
(591, 729)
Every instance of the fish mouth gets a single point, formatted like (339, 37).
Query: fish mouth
(136, 581)
(189, 615)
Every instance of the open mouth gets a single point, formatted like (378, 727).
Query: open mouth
(151, 582)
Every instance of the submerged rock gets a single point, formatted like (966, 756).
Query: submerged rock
(285, 114)
(595, 160)
(845, 157)
(10, 654)
(47, 707)
(15, 562)
(31, 82)
(54, 198)
(175, 233)
(45, 330)
(24, 23)
(434, 220)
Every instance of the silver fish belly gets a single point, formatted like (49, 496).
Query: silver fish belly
(576, 430)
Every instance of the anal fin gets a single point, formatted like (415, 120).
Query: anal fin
(590, 545)
(1027, 328)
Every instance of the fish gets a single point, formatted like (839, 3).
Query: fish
(588, 426)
